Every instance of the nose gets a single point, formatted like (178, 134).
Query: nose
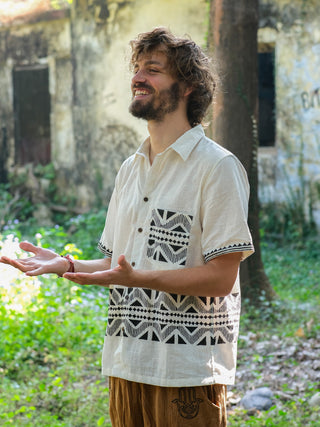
(138, 77)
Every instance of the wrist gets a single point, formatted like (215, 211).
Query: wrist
(69, 264)
(70, 259)
(142, 278)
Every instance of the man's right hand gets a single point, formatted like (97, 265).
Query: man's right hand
(44, 261)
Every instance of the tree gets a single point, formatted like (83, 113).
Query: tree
(233, 40)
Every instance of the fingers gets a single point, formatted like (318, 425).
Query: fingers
(29, 247)
(14, 263)
(5, 260)
(19, 263)
(25, 265)
(98, 278)
(34, 272)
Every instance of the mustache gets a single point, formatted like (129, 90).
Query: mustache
(143, 86)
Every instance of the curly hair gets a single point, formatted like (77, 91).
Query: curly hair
(187, 62)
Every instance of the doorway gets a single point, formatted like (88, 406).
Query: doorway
(32, 115)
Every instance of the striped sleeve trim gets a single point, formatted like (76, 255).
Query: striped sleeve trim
(102, 248)
(241, 247)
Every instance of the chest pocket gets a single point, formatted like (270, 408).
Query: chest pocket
(169, 236)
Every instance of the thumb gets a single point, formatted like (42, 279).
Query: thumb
(123, 264)
(122, 261)
(29, 247)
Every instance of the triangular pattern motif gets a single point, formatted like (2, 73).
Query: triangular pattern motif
(169, 236)
(241, 247)
(173, 319)
(104, 249)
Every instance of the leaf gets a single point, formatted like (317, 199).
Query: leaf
(100, 421)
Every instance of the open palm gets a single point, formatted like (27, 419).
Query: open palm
(44, 261)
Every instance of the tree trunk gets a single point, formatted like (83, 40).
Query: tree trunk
(233, 41)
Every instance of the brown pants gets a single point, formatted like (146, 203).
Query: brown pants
(141, 405)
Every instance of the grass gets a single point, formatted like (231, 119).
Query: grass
(51, 336)
(51, 333)
(292, 320)
(50, 355)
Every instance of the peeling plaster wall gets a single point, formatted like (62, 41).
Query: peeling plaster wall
(29, 45)
(88, 54)
(294, 163)
(105, 132)
(183, 17)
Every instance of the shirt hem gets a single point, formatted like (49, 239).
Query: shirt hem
(160, 382)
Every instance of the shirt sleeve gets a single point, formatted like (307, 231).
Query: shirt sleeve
(225, 211)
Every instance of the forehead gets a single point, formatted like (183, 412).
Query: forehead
(155, 57)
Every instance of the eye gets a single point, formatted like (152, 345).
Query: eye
(153, 70)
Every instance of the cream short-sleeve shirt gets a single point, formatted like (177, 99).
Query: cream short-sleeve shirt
(185, 209)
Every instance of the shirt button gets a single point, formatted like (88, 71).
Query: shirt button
(145, 199)
(140, 230)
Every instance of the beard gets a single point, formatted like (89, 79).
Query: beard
(158, 106)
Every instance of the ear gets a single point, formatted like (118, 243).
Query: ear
(187, 91)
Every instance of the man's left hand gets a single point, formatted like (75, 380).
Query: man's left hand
(120, 275)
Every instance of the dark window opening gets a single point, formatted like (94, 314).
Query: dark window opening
(32, 115)
(267, 122)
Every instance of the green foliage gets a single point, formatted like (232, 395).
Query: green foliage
(32, 188)
(51, 339)
(51, 332)
(45, 171)
(13, 204)
(21, 196)
(294, 275)
(86, 231)
(282, 417)
(83, 231)
(292, 220)
(60, 4)
(287, 222)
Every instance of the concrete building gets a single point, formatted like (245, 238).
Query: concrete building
(65, 90)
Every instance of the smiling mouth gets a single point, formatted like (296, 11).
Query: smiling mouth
(141, 92)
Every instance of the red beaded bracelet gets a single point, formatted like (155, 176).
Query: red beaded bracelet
(71, 263)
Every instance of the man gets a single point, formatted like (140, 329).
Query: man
(175, 233)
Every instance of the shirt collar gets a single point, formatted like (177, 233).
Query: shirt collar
(183, 145)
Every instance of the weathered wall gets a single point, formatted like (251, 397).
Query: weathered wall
(30, 45)
(88, 53)
(105, 132)
(293, 165)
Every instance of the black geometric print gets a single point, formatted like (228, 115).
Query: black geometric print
(173, 319)
(104, 249)
(241, 247)
(169, 236)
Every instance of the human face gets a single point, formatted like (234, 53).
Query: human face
(155, 92)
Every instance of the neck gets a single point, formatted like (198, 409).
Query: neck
(166, 132)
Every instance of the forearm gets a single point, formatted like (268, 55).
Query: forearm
(214, 279)
(46, 261)
(90, 266)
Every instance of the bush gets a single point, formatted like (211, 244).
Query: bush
(52, 331)
(50, 348)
